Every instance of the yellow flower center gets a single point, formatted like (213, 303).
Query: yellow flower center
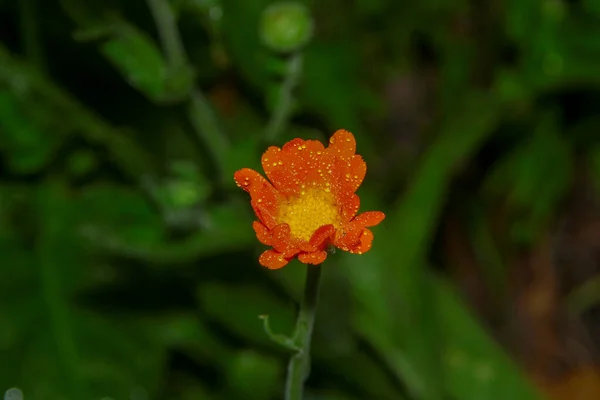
(308, 212)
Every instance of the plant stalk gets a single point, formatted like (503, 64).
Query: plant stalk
(201, 113)
(299, 364)
(285, 101)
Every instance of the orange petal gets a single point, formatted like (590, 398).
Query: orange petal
(272, 259)
(353, 232)
(342, 144)
(321, 235)
(348, 237)
(292, 144)
(298, 163)
(265, 199)
(315, 258)
(356, 171)
(349, 203)
(364, 244)
(283, 242)
(262, 233)
(369, 218)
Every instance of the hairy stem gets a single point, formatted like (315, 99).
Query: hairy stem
(299, 364)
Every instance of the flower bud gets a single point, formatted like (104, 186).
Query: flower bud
(286, 26)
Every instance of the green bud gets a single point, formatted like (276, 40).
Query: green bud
(286, 26)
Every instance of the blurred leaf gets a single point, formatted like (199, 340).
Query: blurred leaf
(523, 176)
(52, 104)
(65, 351)
(250, 302)
(330, 85)
(30, 135)
(244, 153)
(240, 33)
(252, 375)
(142, 65)
(396, 279)
(474, 366)
(137, 58)
(185, 331)
(90, 12)
(131, 51)
(130, 216)
(227, 230)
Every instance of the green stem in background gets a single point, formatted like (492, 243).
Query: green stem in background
(168, 33)
(205, 123)
(299, 365)
(201, 114)
(30, 33)
(284, 105)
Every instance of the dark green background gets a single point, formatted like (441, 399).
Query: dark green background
(127, 258)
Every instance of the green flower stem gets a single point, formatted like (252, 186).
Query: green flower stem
(201, 113)
(299, 365)
(283, 108)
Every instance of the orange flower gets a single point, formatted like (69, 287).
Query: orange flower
(310, 203)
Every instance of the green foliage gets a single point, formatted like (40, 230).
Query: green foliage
(523, 177)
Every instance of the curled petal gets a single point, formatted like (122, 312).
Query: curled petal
(264, 197)
(369, 218)
(272, 259)
(342, 144)
(364, 244)
(319, 239)
(262, 233)
(348, 237)
(283, 241)
(352, 233)
(314, 258)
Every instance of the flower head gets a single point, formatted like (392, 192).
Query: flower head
(309, 202)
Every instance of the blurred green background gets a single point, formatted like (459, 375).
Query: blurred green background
(128, 262)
